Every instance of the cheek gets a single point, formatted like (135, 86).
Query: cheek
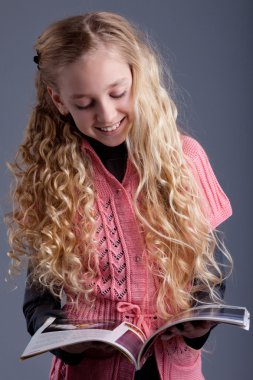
(127, 104)
(82, 119)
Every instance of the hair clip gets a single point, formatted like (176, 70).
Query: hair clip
(36, 59)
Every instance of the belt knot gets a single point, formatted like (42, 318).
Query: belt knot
(134, 311)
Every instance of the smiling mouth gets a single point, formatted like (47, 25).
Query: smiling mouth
(112, 127)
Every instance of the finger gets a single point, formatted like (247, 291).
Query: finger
(187, 327)
(204, 324)
(171, 332)
(103, 347)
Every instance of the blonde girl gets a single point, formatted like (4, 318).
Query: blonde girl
(113, 207)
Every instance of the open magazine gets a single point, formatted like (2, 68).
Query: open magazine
(125, 336)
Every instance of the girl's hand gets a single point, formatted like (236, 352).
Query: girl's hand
(91, 349)
(190, 330)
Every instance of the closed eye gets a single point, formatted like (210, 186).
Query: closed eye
(91, 104)
(117, 96)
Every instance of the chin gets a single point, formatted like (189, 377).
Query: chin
(112, 143)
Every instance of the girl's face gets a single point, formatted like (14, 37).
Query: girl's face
(97, 91)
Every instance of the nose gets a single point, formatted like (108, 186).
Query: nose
(106, 112)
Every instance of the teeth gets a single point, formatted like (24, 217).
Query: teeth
(112, 128)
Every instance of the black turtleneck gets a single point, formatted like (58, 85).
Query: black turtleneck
(113, 158)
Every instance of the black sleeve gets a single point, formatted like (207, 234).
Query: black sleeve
(38, 305)
(198, 343)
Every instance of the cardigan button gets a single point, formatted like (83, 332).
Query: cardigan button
(137, 259)
(118, 192)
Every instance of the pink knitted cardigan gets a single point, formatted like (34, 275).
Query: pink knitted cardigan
(125, 289)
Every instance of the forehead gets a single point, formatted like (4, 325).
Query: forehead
(95, 72)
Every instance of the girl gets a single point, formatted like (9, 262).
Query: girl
(114, 207)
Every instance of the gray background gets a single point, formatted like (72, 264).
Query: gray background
(208, 46)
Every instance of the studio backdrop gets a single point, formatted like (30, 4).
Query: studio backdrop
(208, 47)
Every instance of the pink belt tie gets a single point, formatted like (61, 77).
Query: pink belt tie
(134, 311)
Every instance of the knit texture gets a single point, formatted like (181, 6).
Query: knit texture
(125, 289)
(215, 203)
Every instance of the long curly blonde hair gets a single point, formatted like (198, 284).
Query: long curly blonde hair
(54, 181)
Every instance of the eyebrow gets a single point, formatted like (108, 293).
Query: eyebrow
(114, 84)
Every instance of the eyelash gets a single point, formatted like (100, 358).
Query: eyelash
(92, 103)
(119, 96)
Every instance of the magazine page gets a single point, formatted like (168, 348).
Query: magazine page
(124, 336)
(233, 315)
(58, 332)
(131, 342)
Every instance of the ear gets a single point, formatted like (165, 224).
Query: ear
(55, 96)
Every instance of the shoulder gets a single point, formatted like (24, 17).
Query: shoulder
(192, 148)
(216, 204)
